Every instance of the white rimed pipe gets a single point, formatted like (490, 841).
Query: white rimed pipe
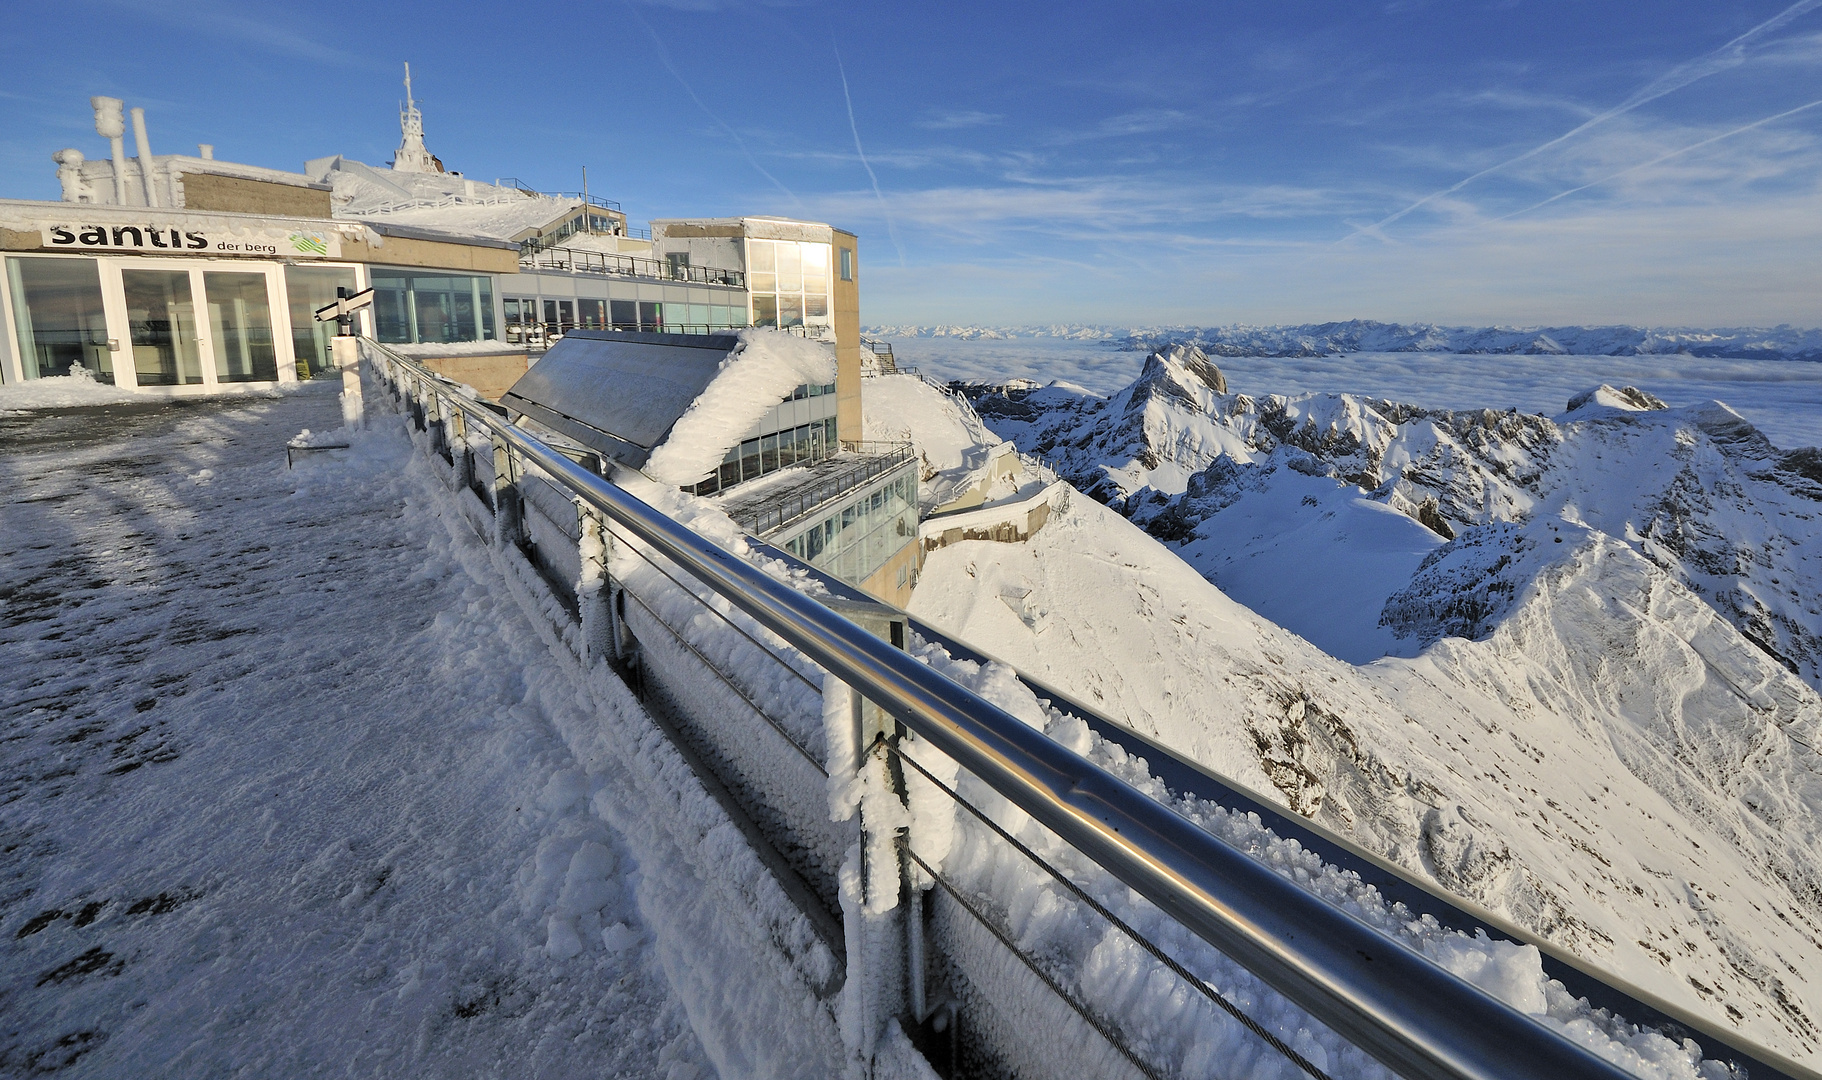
(146, 171)
(110, 125)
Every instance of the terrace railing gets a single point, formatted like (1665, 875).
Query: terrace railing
(747, 707)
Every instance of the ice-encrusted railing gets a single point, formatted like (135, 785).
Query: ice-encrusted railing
(1045, 889)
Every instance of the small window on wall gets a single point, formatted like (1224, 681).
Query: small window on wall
(847, 264)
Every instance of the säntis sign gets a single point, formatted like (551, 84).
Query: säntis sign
(165, 240)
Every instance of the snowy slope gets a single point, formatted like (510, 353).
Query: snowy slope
(944, 429)
(1493, 768)
(1597, 703)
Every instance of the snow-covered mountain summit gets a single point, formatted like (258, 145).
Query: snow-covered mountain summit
(1567, 667)
(1697, 491)
(1368, 336)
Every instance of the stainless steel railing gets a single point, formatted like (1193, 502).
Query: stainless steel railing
(1418, 1019)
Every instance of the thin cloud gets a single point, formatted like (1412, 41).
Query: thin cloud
(1727, 57)
(664, 57)
(848, 99)
(218, 21)
(1659, 160)
(965, 118)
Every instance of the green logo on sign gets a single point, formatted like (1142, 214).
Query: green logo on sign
(309, 244)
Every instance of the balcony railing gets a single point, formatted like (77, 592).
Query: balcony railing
(618, 265)
(798, 502)
(526, 189)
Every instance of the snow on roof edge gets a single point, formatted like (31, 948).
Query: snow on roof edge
(759, 374)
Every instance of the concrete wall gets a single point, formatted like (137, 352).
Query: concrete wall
(405, 251)
(491, 374)
(238, 195)
(847, 339)
(883, 584)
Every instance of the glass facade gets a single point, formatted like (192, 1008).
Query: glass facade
(860, 536)
(789, 281)
(58, 316)
(774, 450)
(409, 307)
(242, 324)
(309, 288)
(161, 326)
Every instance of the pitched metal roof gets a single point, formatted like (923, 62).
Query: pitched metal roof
(617, 392)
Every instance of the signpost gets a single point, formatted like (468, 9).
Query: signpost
(344, 307)
(346, 349)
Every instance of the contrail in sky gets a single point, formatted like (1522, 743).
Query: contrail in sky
(1664, 157)
(1727, 56)
(664, 56)
(891, 229)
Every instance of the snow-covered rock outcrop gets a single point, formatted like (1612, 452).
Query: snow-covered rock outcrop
(1614, 767)
(1698, 490)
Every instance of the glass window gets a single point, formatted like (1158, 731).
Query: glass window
(765, 311)
(761, 254)
(309, 288)
(432, 307)
(699, 316)
(768, 453)
(790, 311)
(57, 305)
(816, 307)
(790, 268)
(764, 283)
(749, 459)
(815, 265)
(651, 315)
(242, 322)
(625, 313)
(161, 319)
(847, 264)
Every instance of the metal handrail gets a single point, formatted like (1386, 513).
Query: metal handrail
(772, 515)
(534, 255)
(523, 188)
(1417, 1018)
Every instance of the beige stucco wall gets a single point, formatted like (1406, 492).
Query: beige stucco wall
(490, 375)
(883, 584)
(404, 251)
(239, 195)
(847, 340)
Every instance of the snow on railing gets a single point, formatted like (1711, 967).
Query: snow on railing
(895, 845)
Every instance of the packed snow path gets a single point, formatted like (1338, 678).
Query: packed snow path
(283, 789)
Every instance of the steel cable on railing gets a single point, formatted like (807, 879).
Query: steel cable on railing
(731, 685)
(1138, 939)
(1101, 1026)
(718, 613)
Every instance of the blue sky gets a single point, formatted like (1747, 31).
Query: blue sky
(1512, 161)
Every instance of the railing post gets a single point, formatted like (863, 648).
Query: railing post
(461, 459)
(508, 524)
(876, 914)
(594, 592)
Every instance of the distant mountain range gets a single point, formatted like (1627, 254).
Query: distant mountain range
(1364, 335)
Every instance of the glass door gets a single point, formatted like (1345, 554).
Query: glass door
(161, 321)
(241, 320)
